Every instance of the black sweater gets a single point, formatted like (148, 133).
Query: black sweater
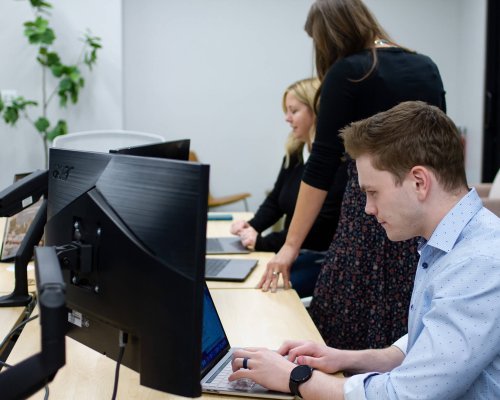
(398, 76)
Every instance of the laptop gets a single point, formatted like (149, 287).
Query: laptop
(227, 269)
(216, 360)
(225, 245)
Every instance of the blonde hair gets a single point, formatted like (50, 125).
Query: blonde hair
(305, 92)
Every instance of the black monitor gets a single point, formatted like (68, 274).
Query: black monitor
(175, 150)
(131, 235)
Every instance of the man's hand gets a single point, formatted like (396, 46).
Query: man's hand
(263, 366)
(317, 356)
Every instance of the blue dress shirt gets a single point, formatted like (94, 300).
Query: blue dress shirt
(453, 341)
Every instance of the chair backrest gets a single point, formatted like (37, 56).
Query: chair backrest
(105, 140)
(495, 187)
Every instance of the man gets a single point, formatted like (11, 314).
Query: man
(411, 167)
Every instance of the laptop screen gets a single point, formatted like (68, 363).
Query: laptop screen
(214, 343)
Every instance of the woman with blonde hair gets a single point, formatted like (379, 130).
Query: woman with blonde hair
(362, 294)
(298, 104)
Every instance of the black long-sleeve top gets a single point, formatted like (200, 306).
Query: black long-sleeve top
(281, 201)
(399, 76)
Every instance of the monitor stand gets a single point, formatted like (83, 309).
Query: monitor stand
(20, 296)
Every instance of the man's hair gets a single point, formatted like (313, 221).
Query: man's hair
(409, 134)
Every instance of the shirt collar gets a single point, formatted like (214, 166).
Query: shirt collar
(451, 226)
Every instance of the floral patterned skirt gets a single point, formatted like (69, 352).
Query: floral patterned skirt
(363, 291)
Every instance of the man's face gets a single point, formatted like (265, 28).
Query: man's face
(395, 206)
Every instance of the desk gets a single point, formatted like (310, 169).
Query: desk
(10, 316)
(221, 228)
(89, 375)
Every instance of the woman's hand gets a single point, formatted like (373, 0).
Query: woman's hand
(248, 237)
(263, 366)
(279, 265)
(315, 355)
(237, 226)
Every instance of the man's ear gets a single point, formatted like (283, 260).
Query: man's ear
(422, 181)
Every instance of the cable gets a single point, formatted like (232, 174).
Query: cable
(4, 364)
(122, 341)
(20, 325)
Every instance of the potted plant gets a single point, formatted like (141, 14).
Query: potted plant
(58, 80)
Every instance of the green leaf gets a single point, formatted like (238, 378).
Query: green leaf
(93, 43)
(42, 124)
(20, 103)
(11, 115)
(38, 32)
(61, 128)
(65, 84)
(48, 36)
(2, 105)
(40, 4)
(53, 59)
(63, 98)
(74, 75)
(57, 70)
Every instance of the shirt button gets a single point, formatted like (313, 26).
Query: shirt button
(425, 265)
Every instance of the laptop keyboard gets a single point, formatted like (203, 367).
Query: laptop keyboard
(214, 265)
(219, 379)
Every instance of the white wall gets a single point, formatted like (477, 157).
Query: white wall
(453, 34)
(100, 103)
(214, 71)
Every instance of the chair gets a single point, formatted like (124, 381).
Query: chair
(490, 194)
(224, 200)
(105, 140)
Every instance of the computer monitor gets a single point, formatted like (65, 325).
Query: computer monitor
(175, 150)
(130, 233)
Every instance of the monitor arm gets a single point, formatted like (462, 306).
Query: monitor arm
(20, 296)
(32, 374)
(14, 199)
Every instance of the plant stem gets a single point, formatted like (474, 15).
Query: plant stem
(44, 113)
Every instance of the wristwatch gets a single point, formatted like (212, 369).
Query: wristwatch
(299, 375)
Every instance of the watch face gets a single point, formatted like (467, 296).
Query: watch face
(301, 373)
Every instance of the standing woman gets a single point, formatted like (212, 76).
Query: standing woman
(362, 294)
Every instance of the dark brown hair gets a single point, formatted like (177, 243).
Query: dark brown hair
(409, 134)
(340, 28)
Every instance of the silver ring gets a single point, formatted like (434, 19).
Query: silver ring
(275, 273)
(245, 363)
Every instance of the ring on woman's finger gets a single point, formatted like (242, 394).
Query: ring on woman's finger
(275, 273)
(245, 363)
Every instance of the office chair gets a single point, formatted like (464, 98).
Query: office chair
(490, 194)
(224, 200)
(104, 140)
